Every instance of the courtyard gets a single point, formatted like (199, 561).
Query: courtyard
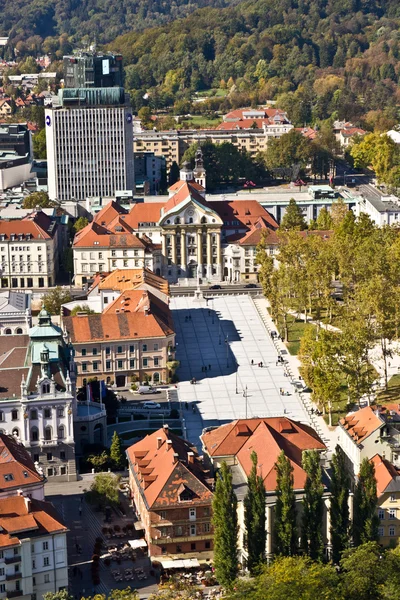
(226, 336)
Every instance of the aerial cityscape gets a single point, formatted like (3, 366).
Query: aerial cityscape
(200, 300)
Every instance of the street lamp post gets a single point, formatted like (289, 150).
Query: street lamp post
(344, 178)
(237, 367)
(227, 350)
(245, 397)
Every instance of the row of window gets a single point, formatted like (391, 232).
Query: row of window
(391, 531)
(391, 513)
(193, 546)
(181, 530)
(119, 350)
(120, 364)
(33, 413)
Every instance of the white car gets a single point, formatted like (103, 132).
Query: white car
(151, 404)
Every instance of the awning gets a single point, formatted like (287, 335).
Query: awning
(137, 544)
(187, 563)
(139, 525)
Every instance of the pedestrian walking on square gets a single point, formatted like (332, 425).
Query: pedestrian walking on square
(261, 364)
(252, 361)
(209, 367)
(205, 369)
(80, 511)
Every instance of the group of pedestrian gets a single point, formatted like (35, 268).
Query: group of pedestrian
(283, 393)
(260, 364)
(204, 368)
(316, 411)
(188, 318)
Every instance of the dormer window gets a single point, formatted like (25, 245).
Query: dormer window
(45, 388)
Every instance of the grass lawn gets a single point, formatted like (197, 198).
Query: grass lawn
(296, 331)
(213, 93)
(392, 394)
(203, 121)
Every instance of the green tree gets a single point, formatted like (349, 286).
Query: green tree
(80, 223)
(339, 505)
(145, 115)
(99, 461)
(365, 519)
(290, 149)
(293, 217)
(54, 299)
(104, 490)
(225, 528)
(254, 517)
(82, 308)
(313, 506)
(324, 219)
(38, 200)
(39, 144)
(285, 529)
(117, 453)
(67, 260)
(364, 572)
(61, 595)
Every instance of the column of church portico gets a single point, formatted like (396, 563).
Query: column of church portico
(209, 255)
(199, 252)
(173, 247)
(164, 244)
(269, 531)
(41, 423)
(219, 260)
(183, 251)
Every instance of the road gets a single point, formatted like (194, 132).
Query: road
(226, 288)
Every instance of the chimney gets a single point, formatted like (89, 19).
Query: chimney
(166, 428)
(159, 443)
(169, 444)
(190, 457)
(176, 457)
(27, 504)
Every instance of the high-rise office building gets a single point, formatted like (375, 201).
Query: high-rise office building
(89, 136)
(93, 70)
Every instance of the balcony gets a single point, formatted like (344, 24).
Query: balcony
(14, 593)
(13, 576)
(9, 560)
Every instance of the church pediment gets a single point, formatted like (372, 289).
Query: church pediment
(188, 212)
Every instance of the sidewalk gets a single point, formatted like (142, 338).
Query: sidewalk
(328, 436)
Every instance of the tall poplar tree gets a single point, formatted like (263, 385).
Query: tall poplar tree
(313, 506)
(117, 453)
(285, 530)
(339, 505)
(254, 517)
(225, 528)
(365, 519)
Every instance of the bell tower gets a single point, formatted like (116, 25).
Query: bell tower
(199, 171)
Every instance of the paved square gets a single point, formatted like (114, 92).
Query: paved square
(227, 334)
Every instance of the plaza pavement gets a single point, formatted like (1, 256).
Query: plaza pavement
(227, 333)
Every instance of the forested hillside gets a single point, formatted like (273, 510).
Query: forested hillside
(317, 57)
(106, 19)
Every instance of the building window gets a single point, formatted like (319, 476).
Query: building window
(2, 587)
(36, 458)
(380, 532)
(392, 531)
(119, 364)
(207, 545)
(83, 352)
(131, 349)
(144, 348)
(119, 349)
(49, 456)
(178, 549)
(192, 514)
(163, 550)
(206, 527)
(33, 564)
(46, 561)
(34, 434)
(156, 361)
(108, 365)
(193, 546)
(108, 349)
(95, 366)
(14, 415)
(193, 530)
(392, 513)
(62, 455)
(60, 412)
(1, 415)
(47, 413)
(84, 367)
(381, 514)
(47, 578)
(48, 434)
(156, 347)
(33, 415)
(145, 361)
(45, 545)
(392, 498)
(94, 351)
(61, 432)
(132, 363)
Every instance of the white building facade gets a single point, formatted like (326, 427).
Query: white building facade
(89, 143)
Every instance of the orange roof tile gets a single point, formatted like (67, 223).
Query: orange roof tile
(19, 515)
(144, 212)
(121, 325)
(123, 279)
(361, 424)
(177, 186)
(16, 461)
(267, 437)
(247, 212)
(36, 224)
(385, 475)
(166, 470)
(108, 213)
(94, 232)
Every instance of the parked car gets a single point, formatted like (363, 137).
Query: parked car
(251, 285)
(151, 404)
(147, 389)
(215, 287)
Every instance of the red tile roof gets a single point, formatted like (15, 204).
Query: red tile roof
(122, 325)
(385, 474)
(108, 213)
(269, 113)
(267, 437)
(361, 424)
(20, 515)
(94, 232)
(162, 469)
(16, 461)
(123, 279)
(37, 224)
(177, 186)
(247, 212)
(144, 212)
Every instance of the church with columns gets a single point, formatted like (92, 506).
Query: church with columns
(188, 237)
